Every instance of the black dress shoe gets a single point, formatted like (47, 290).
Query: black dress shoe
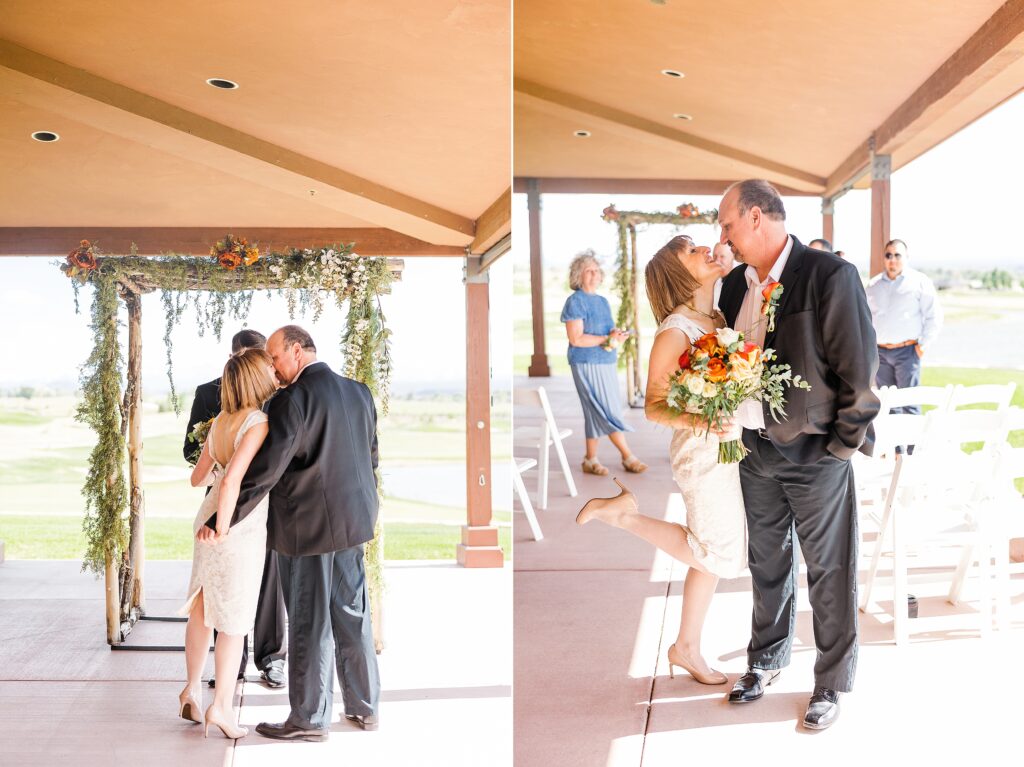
(213, 679)
(286, 731)
(273, 676)
(366, 721)
(750, 686)
(822, 710)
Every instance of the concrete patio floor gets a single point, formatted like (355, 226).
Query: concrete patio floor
(65, 697)
(596, 610)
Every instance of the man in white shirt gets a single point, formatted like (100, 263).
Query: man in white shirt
(907, 318)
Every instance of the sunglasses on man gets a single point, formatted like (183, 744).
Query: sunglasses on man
(891, 256)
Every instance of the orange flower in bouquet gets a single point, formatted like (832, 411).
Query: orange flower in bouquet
(719, 372)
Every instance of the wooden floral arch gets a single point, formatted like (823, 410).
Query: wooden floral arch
(216, 288)
(625, 279)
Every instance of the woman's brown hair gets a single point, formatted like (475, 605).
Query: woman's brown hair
(246, 384)
(669, 283)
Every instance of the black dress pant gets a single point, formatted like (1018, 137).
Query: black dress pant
(817, 502)
(328, 609)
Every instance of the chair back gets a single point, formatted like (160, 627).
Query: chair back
(983, 394)
(537, 398)
(892, 429)
(935, 396)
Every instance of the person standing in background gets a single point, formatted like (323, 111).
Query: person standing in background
(820, 244)
(907, 318)
(593, 340)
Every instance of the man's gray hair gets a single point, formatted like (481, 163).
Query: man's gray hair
(756, 192)
(293, 334)
(579, 263)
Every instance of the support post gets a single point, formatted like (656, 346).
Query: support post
(539, 361)
(113, 593)
(133, 398)
(881, 169)
(634, 386)
(828, 209)
(479, 547)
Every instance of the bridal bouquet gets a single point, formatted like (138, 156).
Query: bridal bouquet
(198, 435)
(719, 372)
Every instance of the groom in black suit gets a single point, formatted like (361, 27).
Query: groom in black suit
(797, 476)
(268, 634)
(318, 463)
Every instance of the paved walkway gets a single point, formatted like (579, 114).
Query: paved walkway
(596, 610)
(66, 698)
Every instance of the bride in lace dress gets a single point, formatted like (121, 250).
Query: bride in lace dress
(680, 286)
(227, 563)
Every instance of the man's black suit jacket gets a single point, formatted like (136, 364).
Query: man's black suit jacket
(823, 330)
(205, 406)
(318, 463)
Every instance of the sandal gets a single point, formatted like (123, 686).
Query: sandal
(634, 465)
(593, 466)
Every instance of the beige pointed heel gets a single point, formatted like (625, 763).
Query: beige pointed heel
(229, 730)
(606, 509)
(188, 706)
(715, 677)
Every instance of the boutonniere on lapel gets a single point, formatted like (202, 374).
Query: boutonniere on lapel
(772, 293)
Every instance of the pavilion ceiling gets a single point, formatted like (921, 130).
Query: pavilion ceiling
(791, 90)
(348, 114)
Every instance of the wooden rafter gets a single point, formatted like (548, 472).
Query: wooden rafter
(997, 44)
(544, 97)
(493, 224)
(553, 185)
(213, 143)
(58, 241)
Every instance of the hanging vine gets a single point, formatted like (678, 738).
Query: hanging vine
(105, 491)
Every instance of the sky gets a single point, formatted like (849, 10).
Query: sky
(954, 206)
(425, 311)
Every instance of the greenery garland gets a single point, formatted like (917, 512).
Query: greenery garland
(625, 277)
(215, 288)
(105, 490)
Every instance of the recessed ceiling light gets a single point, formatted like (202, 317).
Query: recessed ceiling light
(582, 134)
(220, 82)
(45, 136)
(682, 116)
(672, 73)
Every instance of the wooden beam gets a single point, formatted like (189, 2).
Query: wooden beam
(493, 224)
(59, 241)
(828, 209)
(539, 367)
(568, 101)
(135, 592)
(996, 45)
(551, 185)
(358, 196)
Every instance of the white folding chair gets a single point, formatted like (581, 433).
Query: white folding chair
(931, 508)
(519, 465)
(541, 438)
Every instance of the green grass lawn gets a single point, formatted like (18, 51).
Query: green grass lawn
(27, 537)
(41, 508)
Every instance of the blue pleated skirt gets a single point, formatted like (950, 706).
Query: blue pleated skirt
(601, 397)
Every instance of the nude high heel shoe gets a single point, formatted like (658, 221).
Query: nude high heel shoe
(716, 677)
(230, 730)
(607, 509)
(189, 707)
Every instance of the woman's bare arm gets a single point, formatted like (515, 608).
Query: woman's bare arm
(203, 474)
(574, 330)
(668, 346)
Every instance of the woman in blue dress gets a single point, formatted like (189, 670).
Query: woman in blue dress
(592, 332)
